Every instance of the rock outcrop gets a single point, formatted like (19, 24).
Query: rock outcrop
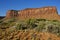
(43, 13)
(12, 14)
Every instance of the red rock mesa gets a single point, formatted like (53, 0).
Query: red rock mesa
(43, 13)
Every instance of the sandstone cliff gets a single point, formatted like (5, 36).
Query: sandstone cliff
(11, 14)
(44, 13)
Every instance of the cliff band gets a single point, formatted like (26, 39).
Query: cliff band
(43, 13)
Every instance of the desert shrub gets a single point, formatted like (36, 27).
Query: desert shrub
(1, 21)
(53, 29)
(11, 20)
(41, 27)
(4, 25)
(56, 30)
(18, 26)
(50, 28)
(55, 20)
(31, 23)
(41, 19)
(21, 26)
(27, 24)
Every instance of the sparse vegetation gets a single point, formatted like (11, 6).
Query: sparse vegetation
(12, 29)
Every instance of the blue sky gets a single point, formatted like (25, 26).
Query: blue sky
(6, 5)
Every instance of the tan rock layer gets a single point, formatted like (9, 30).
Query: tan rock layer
(44, 13)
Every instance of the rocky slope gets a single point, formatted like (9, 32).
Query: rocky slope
(32, 29)
(29, 35)
(41, 24)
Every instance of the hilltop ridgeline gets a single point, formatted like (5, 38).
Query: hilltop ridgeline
(1, 17)
(43, 13)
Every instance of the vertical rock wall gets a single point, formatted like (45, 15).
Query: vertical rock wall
(12, 14)
(44, 12)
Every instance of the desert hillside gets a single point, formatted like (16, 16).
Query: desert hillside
(31, 29)
(31, 24)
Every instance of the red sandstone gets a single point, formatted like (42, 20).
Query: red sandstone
(44, 13)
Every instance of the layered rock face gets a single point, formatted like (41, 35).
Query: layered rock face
(43, 13)
(12, 14)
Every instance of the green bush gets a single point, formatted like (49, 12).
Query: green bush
(11, 20)
(41, 25)
(55, 20)
(31, 23)
(21, 26)
(1, 21)
(41, 19)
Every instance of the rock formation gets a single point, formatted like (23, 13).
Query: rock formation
(12, 14)
(43, 13)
